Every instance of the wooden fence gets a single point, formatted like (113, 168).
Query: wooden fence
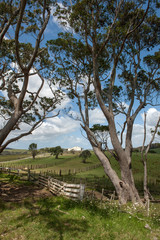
(57, 187)
(24, 174)
(50, 167)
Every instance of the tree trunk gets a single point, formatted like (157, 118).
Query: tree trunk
(4, 132)
(145, 189)
(125, 187)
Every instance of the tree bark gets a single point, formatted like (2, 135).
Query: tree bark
(9, 127)
(125, 187)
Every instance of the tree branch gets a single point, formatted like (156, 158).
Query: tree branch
(38, 40)
(7, 25)
(22, 9)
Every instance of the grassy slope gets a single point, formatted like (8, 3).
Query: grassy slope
(12, 157)
(62, 219)
(13, 154)
(97, 176)
(66, 162)
(63, 162)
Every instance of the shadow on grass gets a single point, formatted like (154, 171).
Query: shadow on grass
(59, 218)
(48, 212)
(55, 216)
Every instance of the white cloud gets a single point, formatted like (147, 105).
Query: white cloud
(138, 130)
(33, 86)
(54, 127)
(62, 131)
(65, 26)
(71, 141)
(138, 135)
(152, 117)
(123, 105)
(54, 131)
(97, 116)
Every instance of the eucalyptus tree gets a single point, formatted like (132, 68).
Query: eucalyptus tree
(33, 149)
(105, 63)
(24, 64)
(144, 154)
(102, 134)
(9, 11)
(84, 155)
(56, 151)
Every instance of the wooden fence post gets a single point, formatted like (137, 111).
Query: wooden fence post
(82, 189)
(49, 182)
(28, 174)
(102, 195)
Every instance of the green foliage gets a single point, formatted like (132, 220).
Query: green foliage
(151, 151)
(56, 151)
(76, 67)
(25, 24)
(155, 145)
(101, 128)
(59, 218)
(84, 155)
(33, 149)
(102, 134)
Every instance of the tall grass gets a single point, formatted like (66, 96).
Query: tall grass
(62, 219)
(57, 218)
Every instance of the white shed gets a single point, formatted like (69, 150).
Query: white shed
(75, 149)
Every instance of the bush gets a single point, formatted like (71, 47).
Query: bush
(152, 151)
(85, 154)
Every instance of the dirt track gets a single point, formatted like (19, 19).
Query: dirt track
(17, 193)
(38, 156)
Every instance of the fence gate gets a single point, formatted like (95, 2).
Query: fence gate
(57, 187)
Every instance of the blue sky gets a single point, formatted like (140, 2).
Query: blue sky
(65, 131)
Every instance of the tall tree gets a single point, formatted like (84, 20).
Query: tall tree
(105, 64)
(24, 59)
(102, 134)
(144, 154)
(56, 151)
(33, 149)
(9, 11)
(84, 155)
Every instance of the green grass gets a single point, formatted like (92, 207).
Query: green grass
(12, 157)
(64, 162)
(156, 150)
(97, 176)
(62, 219)
(72, 161)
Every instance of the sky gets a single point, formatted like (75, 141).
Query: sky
(66, 132)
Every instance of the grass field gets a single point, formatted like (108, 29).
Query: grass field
(72, 161)
(48, 218)
(95, 177)
(64, 162)
(13, 154)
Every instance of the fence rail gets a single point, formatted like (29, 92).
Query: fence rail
(49, 166)
(57, 187)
